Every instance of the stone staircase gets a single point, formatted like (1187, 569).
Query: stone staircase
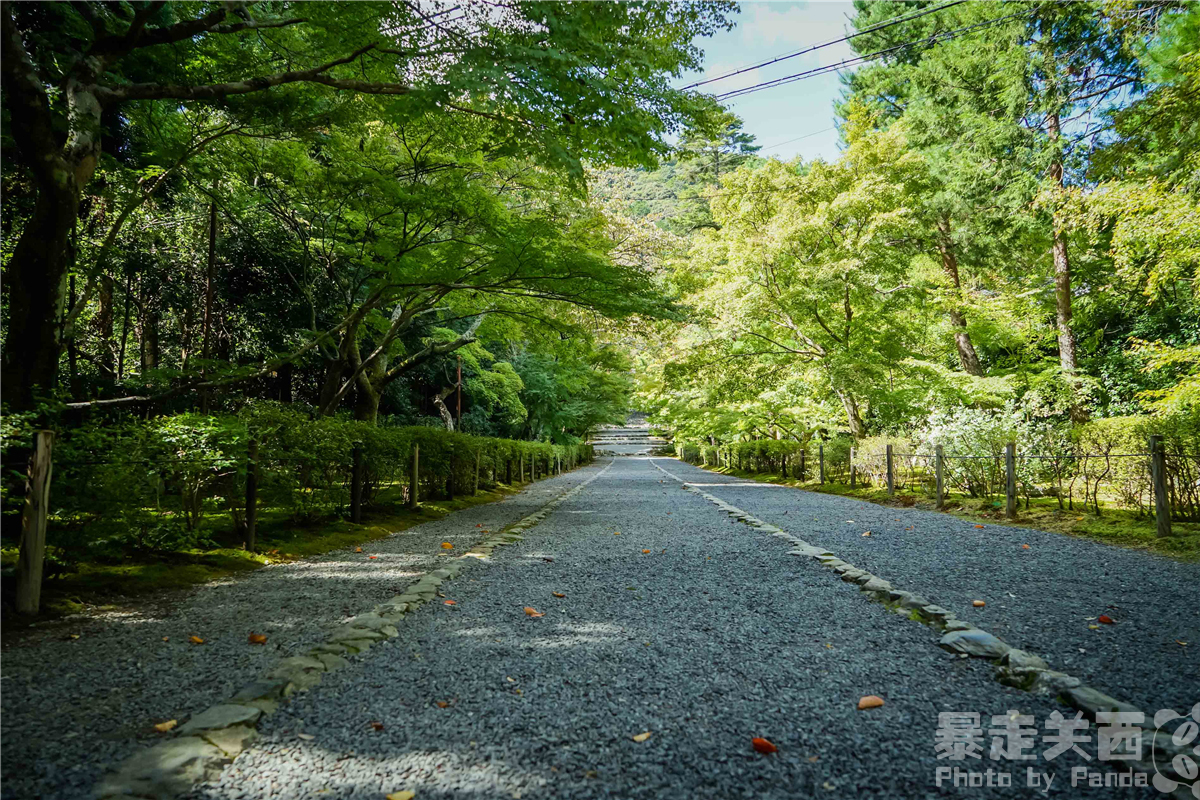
(631, 439)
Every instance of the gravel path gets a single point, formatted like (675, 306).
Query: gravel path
(713, 637)
(71, 707)
(1042, 599)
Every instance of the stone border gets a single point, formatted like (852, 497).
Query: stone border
(212, 738)
(1015, 668)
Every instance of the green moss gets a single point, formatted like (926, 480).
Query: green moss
(279, 539)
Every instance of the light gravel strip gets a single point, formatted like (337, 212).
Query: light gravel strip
(72, 706)
(1015, 667)
(214, 737)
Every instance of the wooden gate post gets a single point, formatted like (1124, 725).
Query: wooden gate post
(33, 524)
(1158, 475)
(853, 475)
(356, 485)
(522, 466)
(413, 475)
(891, 473)
(939, 463)
(251, 495)
(1010, 480)
(821, 456)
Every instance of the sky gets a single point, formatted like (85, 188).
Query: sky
(779, 116)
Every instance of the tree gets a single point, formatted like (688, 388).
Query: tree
(589, 84)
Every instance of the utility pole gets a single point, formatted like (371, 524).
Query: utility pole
(458, 422)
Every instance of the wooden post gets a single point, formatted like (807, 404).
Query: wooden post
(1158, 475)
(521, 479)
(1010, 480)
(821, 456)
(853, 475)
(939, 460)
(356, 485)
(508, 471)
(891, 473)
(478, 455)
(803, 458)
(413, 474)
(252, 495)
(33, 524)
(783, 466)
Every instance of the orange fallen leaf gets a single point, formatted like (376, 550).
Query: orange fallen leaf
(763, 745)
(813, 759)
(377, 726)
(478, 524)
(641, 737)
(164, 727)
(870, 701)
(1105, 619)
(372, 557)
(978, 526)
(645, 551)
(258, 638)
(195, 639)
(978, 603)
(558, 594)
(450, 603)
(530, 611)
(616, 533)
(358, 549)
(1024, 547)
(447, 546)
(442, 704)
(166, 638)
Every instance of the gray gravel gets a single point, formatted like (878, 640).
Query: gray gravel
(714, 637)
(1042, 599)
(71, 707)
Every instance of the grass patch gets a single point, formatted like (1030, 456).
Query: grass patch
(1113, 526)
(110, 583)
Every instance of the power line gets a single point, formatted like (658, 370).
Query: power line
(810, 73)
(798, 138)
(872, 29)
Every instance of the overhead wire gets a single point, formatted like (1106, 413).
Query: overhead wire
(831, 42)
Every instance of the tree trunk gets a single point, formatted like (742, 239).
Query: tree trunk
(1062, 278)
(105, 357)
(852, 414)
(958, 321)
(366, 402)
(439, 400)
(148, 333)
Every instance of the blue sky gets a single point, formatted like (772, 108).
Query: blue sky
(801, 109)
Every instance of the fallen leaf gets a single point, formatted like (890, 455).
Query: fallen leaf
(1105, 619)
(447, 546)
(450, 603)
(558, 594)
(372, 557)
(1024, 547)
(547, 559)
(478, 524)
(530, 611)
(664, 549)
(442, 704)
(978, 603)
(163, 727)
(377, 726)
(813, 759)
(867, 533)
(407, 794)
(827, 786)
(195, 639)
(1093, 627)
(645, 551)
(510, 679)
(308, 737)
(72, 635)
(358, 549)
(166, 638)
(258, 638)
(978, 526)
(616, 533)
(641, 737)
(763, 745)
(870, 701)
(1181, 643)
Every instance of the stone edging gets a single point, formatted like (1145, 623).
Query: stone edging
(211, 739)
(1015, 668)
